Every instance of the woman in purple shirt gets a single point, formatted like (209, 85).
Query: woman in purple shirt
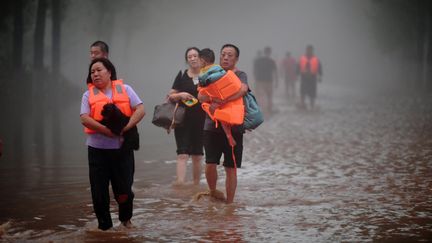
(108, 162)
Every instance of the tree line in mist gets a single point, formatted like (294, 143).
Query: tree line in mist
(33, 90)
(403, 30)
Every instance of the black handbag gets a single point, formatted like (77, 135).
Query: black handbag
(168, 115)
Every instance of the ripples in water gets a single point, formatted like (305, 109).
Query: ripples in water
(357, 170)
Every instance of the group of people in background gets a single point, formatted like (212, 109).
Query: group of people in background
(308, 67)
(111, 162)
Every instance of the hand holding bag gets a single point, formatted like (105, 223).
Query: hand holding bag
(168, 115)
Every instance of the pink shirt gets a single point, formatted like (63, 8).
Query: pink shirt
(289, 66)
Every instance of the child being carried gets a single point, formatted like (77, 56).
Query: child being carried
(218, 85)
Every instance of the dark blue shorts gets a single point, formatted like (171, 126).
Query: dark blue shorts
(216, 144)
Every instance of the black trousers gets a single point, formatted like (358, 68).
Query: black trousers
(117, 166)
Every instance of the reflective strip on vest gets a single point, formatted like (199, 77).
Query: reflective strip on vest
(95, 91)
(119, 89)
(313, 64)
(98, 99)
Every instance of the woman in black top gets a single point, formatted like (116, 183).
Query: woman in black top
(189, 137)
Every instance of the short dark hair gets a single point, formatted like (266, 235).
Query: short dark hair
(233, 46)
(107, 64)
(208, 55)
(191, 48)
(102, 45)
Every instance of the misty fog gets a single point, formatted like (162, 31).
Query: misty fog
(148, 39)
(357, 168)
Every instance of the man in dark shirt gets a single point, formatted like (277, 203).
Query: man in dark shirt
(215, 139)
(265, 72)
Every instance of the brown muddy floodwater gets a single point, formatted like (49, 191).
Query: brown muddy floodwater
(358, 169)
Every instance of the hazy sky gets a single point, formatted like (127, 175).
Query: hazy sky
(148, 41)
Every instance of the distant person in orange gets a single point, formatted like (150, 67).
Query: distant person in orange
(310, 70)
(288, 68)
(265, 72)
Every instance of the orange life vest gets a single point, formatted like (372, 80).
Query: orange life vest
(231, 112)
(313, 64)
(97, 99)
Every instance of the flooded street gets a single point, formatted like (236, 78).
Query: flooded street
(358, 169)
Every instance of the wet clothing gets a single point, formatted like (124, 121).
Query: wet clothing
(109, 163)
(308, 84)
(98, 140)
(97, 101)
(216, 142)
(117, 166)
(308, 87)
(189, 136)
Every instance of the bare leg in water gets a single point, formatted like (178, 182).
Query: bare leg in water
(231, 173)
(181, 169)
(196, 171)
(212, 176)
(230, 184)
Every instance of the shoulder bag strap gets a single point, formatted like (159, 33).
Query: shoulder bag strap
(173, 119)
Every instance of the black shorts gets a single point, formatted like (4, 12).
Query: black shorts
(308, 87)
(216, 144)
